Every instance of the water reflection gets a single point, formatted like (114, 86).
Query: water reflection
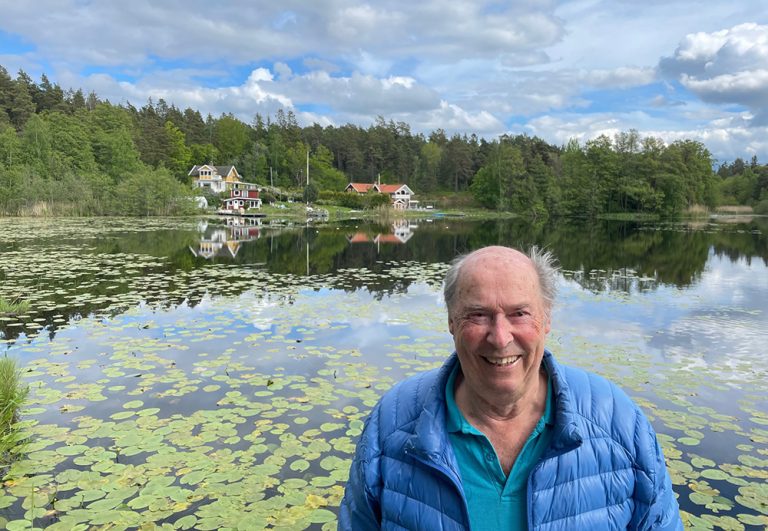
(108, 268)
(225, 242)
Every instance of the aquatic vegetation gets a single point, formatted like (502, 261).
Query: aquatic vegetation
(12, 395)
(226, 394)
(13, 305)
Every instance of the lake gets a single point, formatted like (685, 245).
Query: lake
(216, 373)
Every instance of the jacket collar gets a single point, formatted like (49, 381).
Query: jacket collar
(566, 434)
(430, 436)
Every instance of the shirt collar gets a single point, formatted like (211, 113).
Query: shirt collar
(455, 421)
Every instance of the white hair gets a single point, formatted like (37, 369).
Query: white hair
(544, 263)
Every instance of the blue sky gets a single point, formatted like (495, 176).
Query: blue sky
(556, 69)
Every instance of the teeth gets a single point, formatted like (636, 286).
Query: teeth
(503, 361)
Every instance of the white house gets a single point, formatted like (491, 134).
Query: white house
(216, 178)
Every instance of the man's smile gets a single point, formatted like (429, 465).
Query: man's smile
(502, 362)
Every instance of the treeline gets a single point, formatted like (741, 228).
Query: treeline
(64, 152)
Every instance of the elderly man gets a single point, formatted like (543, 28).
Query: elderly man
(502, 436)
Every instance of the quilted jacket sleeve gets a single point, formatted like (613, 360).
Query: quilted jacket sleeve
(664, 512)
(359, 509)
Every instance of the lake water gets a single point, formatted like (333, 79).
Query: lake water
(207, 374)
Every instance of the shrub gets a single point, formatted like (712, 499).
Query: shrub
(152, 193)
(310, 193)
(267, 197)
(761, 208)
(353, 200)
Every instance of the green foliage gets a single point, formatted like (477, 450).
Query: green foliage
(761, 208)
(310, 193)
(10, 147)
(179, 155)
(355, 200)
(13, 306)
(485, 188)
(152, 193)
(267, 197)
(12, 396)
(204, 154)
(213, 198)
(65, 153)
(231, 138)
(322, 172)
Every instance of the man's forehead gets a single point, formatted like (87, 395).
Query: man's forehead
(498, 258)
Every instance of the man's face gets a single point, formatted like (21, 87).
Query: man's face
(499, 324)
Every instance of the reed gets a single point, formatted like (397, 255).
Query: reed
(13, 306)
(12, 396)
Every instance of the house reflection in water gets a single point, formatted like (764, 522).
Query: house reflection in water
(218, 241)
(402, 231)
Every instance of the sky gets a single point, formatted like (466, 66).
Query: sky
(673, 69)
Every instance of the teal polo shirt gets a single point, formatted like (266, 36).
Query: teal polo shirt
(496, 502)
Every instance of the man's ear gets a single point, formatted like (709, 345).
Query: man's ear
(450, 324)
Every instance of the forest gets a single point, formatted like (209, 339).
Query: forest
(63, 152)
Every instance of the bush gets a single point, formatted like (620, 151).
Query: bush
(267, 197)
(213, 198)
(152, 193)
(354, 200)
(311, 193)
(761, 208)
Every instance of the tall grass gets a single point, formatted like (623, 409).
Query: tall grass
(13, 305)
(12, 396)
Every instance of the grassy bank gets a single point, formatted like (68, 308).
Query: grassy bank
(12, 395)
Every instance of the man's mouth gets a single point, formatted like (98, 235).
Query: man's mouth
(502, 362)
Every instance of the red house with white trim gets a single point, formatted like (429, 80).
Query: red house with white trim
(242, 198)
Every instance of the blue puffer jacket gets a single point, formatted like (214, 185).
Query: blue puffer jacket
(603, 470)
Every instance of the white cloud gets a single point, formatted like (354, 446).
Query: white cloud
(749, 88)
(726, 137)
(571, 67)
(119, 33)
(622, 77)
(454, 119)
(727, 66)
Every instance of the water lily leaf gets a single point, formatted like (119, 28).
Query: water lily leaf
(713, 473)
(320, 516)
(186, 522)
(104, 504)
(300, 465)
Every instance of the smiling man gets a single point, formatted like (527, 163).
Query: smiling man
(502, 436)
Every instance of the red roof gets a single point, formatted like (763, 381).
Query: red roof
(389, 188)
(360, 187)
(388, 238)
(359, 237)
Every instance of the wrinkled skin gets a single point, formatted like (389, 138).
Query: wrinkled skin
(499, 324)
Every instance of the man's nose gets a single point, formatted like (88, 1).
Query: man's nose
(500, 332)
